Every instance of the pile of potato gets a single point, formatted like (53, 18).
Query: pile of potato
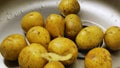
(54, 43)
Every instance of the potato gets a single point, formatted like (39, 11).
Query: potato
(54, 64)
(98, 58)
(12, 45)
(30, 56)
(73, 25)
(55, 25)
(112, 38)
(89, 37)
(64, 46)
(69, 7)
(38, 34)
(32, 19)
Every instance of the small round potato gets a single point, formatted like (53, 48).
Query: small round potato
(69, 7)
(112, 38)
(32, 19)
(64, 46)
(98, 58)
(89, 37)
(12, 45)
(55, 25)
(38, 34)
(54, 64)
(73, 25)
(30, 56)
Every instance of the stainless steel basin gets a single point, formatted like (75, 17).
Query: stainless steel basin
(104, 13)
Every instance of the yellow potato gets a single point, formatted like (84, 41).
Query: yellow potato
(98, 58)
(30, 56)
(54, 64)
(112, 38)
(32, 19)
(55, 25)
(64, 46)
(69, 7)
(89, 37)
(73, 25)
(38, 34)
(12, 45)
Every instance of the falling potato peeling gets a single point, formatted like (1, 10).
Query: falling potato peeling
(56, 57)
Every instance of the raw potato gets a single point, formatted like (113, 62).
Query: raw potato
(30, 56)
(64, 46)
(12, 45)
(55, 25)
(73, 25)
(89, 37)
(112, 38)
(98, 58)
(38, 34)
(32, 19)
(69, 7)
(54, 64)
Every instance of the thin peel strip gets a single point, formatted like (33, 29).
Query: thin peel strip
(56, 57)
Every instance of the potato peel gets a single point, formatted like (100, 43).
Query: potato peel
(56, 57)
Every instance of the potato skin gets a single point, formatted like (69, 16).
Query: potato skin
(30, 56)
(55, 25)
(32, 19)
(38, 34)
(69, 7)
(98, 57)
(112, 38)
(89, 37)
(12, 45)
(64, 46)
(73, 25)
(54, 64)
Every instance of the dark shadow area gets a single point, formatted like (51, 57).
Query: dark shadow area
(11, 64)
(68, 66)
(113, 3)
(85, 26)
(3, 2)
(82, 53)
(115, 53)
